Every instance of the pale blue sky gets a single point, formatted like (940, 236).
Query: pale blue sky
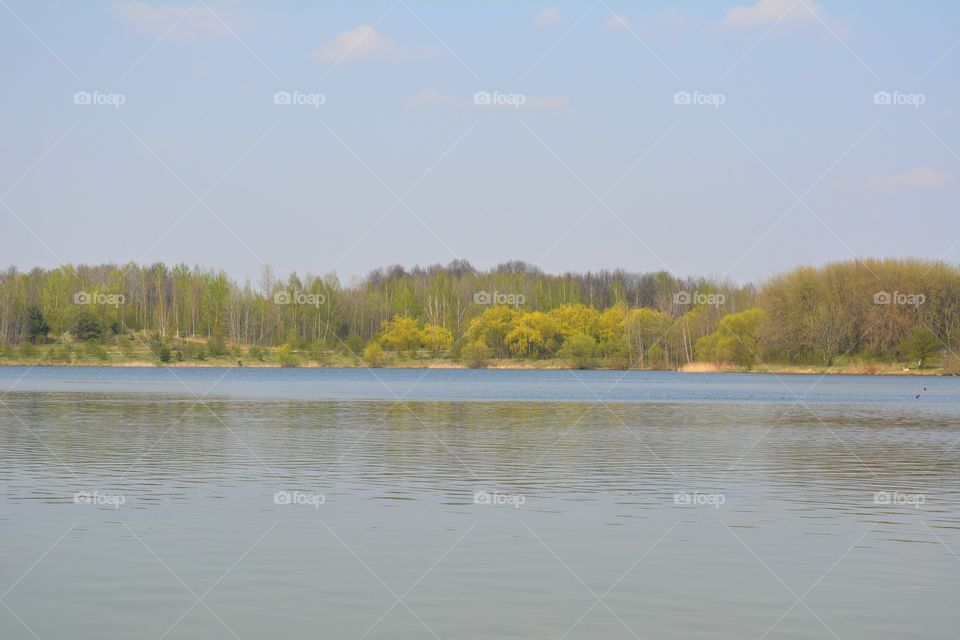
(692, 188)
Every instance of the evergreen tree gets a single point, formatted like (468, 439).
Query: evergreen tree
(37, 327)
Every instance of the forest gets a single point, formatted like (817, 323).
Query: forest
(873, 310)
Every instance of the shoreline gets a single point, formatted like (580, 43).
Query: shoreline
(693, 367)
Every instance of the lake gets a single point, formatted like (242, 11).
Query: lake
(303, 503)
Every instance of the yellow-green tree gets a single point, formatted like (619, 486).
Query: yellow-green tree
(436, 339)
(573, 319)
(610, 323)
(920, 345)
(373, 354)
(534, 334)
(475, 354)
(492, 326)
(645, 329)
(579, 351)
(400, 333)
(736, 340)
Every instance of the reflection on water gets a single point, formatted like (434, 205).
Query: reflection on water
(291, 517)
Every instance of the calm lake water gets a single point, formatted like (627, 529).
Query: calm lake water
(267, 503)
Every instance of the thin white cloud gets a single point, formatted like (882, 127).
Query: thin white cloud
(365, 43)
(616, 23)
(919, 178)
(672, 18)
(767, 12)
(432, 97)
(549, 17)
(180, 21)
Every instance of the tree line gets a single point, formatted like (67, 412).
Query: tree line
(889, 309)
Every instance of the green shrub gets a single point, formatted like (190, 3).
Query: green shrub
(615, 353)
(87, 326)
(951, 363)
(216, 345)
(373, 354)
(920, 345)
(287, 357)
(95, 350)
(475, 354)
(579, 351)
(318, 353)
(126, 344)
(37, 327)
(194, 351)
(657, 358)
(62, 353)
(353, 344)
